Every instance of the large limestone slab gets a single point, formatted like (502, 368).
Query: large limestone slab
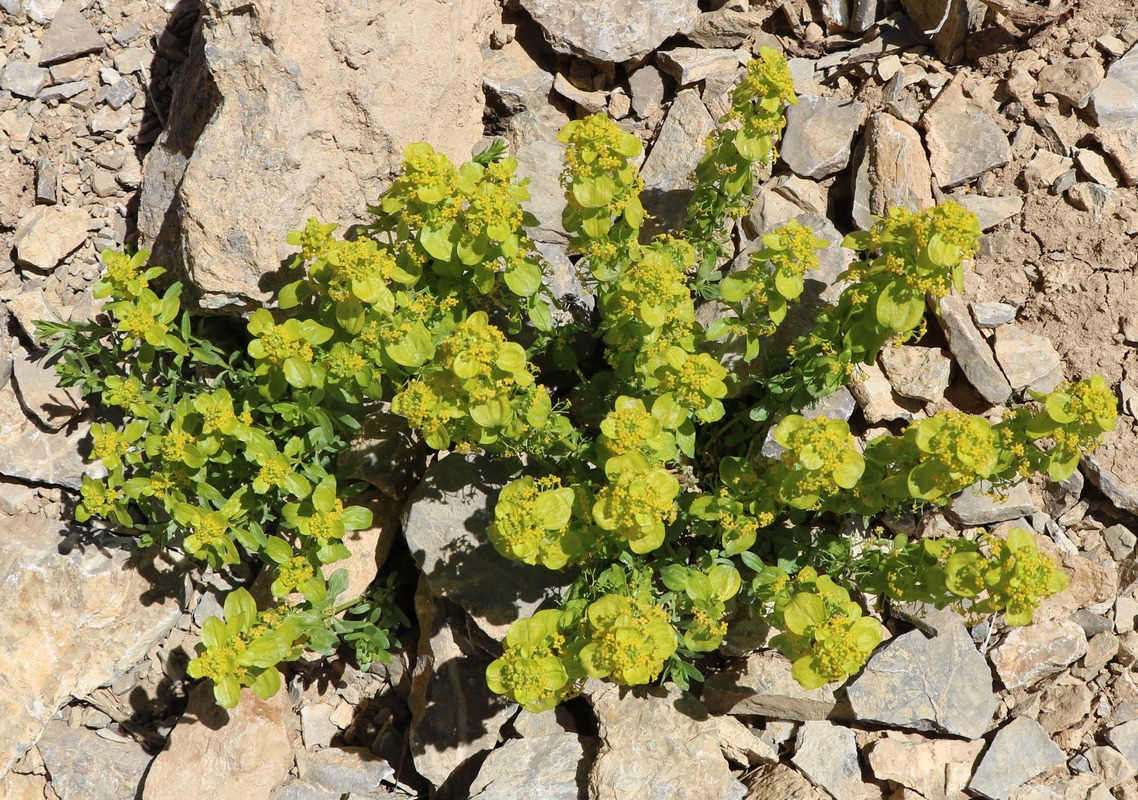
(679, 147)
(85, 766)
(286, 110)
(32, 454)
(76, 612)
(1020, 751)
(541, 766)
(762, 685)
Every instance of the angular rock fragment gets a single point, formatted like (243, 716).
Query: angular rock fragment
(85, 766)
(1073, 80)
(980, 505)
(541, 766)
(690, 65)
(1033, 652)
(224, 754)
(991, 211)
(658, 744)
(763, 686)
(23, 79)
(69, 36)
(48, 234)
(971, 351)
(726, 27)
(874, 395)
(1114, 102)
(947, 26)
(1020, 751)
(940, 684)
(819, 135)
(610, 30)
(827, 755)
(1028, 361)
(890, 169)
(70, 619)
(963, 142)
(938, 769)
(918, 372)
(679, 147)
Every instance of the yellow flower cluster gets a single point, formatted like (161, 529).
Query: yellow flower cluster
(629, 640)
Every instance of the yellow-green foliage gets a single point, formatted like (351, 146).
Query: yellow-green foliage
(643, 480)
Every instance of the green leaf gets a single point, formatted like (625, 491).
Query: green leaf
(524, 279)
(555, 507)
(439, 242)
(227, 692)
(594, 192)
(240, 608)
(267, 683)
(897, 308)
(803, 671)
(297, 371)
(804, 612)
(277, 550)
(356, 518)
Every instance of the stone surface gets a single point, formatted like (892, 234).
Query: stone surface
(1020, 751)
(963, 142)
(827, 755)
(609, 30)
(741, 744)
(762, 686)
(371, 75)
(936, 768)
(677, 151)
(1064, 704)
(979, 505)
(23, 79)
(819, 135)
(1114, 102)
(48, 234)
(991, 211)
(454, 713)
(224, 754)
(547, 196)
(780, 782)
(658, 745)
(992, 315)
(445, 527)
(890, 169)
(1035, 651)
(918, 372)
(348, 769)
(647, 89)
(69, 36)
(37, 384)
(386, 454)
(70, 620)
(1045, 170)
(971, 351)
(85, 766)
(690, 65)
(874, 395)
(950, 28)
(1073, 81)
(1125, 738)
(542, 766)
(590, 102)
(940, 684)
(727, 27)
(35, 455)
(1028, 361)
(1109, 765)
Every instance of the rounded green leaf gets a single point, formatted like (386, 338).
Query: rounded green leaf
(803, 612)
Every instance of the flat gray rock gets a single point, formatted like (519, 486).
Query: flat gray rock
(762, 686)
(23, 79)
(348, 769)
(674, 156)
(69, 36)
(1020, 751)
(979, 505)
(992, 315)
(610, 30)
(991, 211)
(827, 755)
(963, 142)
(540, 766)
(85, 766)
(1125, 738)
(31, 454)
(445, 527)
(726, 27)
(971, 351)
(658, 745)
(819, 135)
(647, 89)
(1114, 102)
(690, 65)
(941, 684)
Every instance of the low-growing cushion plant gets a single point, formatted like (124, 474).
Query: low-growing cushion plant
(647, 483)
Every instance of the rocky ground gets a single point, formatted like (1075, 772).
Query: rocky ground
(206, 132)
